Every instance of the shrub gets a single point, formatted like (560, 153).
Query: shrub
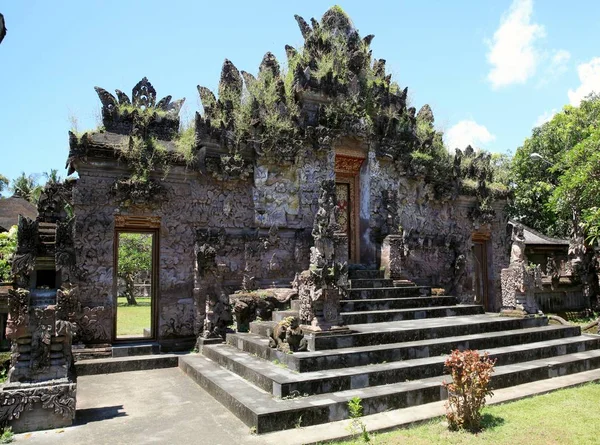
(471, 374)
(357, 426)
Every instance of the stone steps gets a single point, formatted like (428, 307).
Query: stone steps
(391, 356)
(380, 316)
(367, 274)
(124, 364)
(362, 283)
(258, 409)
(379, 293)
(395, 303)
(404, 331)
(282, 382)
(373, 354)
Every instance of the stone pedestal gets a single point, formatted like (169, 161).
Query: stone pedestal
(40, 392)
(391, 257)
(518, 288)
(38, 406)
(311, 335)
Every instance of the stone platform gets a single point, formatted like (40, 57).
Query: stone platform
(389, 364)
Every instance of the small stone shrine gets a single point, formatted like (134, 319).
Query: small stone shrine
(40, 392)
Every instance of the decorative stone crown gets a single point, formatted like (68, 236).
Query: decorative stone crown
(122, 115)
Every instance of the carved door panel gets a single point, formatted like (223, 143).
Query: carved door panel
(343, 194)
(481, 273)
(347, 185)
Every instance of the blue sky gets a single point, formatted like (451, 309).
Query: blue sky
(490, 70)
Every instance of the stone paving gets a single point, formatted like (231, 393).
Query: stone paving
(159, 406)
(163, 406)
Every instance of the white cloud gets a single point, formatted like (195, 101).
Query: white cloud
(589, 76)
(545, 117)
(513, 54)
(467, 132)
(557, 65)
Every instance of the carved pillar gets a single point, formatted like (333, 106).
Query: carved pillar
(213, 313)
(392, 250)
(518, 280)
(320, 288)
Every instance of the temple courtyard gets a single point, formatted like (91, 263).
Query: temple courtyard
(123, 408)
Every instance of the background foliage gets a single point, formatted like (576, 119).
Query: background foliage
(566, 182)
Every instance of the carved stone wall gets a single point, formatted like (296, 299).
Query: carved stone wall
(428, 240)
(252, 249)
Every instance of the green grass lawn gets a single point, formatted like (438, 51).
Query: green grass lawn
(131, 320)
(568, 416)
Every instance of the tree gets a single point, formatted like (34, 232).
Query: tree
(3, 182)
(549, 189)
(27, 187)
(135, 256)
(8, 246)
(52, 176)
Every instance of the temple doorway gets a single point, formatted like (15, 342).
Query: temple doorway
(481, 281)
(347, 189)
(135, 281)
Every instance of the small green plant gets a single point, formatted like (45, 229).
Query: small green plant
(279, 363)
(253, 430)
(7, 436)
(471, 374)
(298, 423)
(357, 426)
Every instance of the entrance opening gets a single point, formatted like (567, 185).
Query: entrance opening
(135, 285)
(481, 273)
(347, 189)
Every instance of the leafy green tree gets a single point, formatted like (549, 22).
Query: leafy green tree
(558, 185)
(3, 182)
(52, 176)
(27, 187)
(8, 246)
(135, 257)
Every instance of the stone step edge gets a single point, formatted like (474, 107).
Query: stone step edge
(414, 309)
(415, 415)
(273, 378)
(375, 300)
(263, 342)
(111, 365)
(504, 323)
(254, 406)
(390, 288)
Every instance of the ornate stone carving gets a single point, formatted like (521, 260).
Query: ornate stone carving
(123, 115)
(287, 336)
(212, 302)
(18, 313)
(64, 250)
(129, 192)
(93, 324)
(319, 287)
(58, 398)
(27, 247)
(517, 250)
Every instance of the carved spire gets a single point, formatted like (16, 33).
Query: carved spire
(290, 52)
(143, 94)
(208, 99)
(249, 79)
(108, 100)
(304, 27)
(269, 63)
(230, 84)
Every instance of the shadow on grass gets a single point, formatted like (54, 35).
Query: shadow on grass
(489, 421)
(88, 415)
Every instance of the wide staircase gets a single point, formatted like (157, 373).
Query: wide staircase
(393, 356)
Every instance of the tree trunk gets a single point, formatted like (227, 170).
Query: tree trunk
(129, 291)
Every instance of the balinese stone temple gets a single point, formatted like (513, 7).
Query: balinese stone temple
(302, 189)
